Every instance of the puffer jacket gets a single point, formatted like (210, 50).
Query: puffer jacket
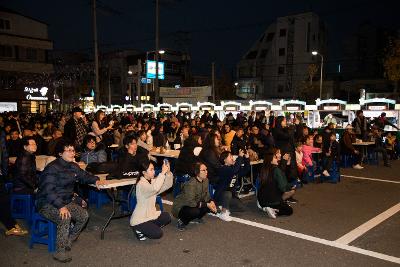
(25, 172)
(56, 183)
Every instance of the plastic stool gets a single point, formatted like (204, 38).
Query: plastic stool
(43, 231)
(180, 179)
(347, 161)
(334, 172)
(21, 207)
(98, 197)
(8, 187)
(211, 190)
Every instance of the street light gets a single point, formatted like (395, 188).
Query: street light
(314, 53)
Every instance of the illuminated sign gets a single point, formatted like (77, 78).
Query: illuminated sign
(292, 108)
(377, 107)
(151, 69)
(331, 107)
(8, 106)
(231, 108)
(36, 93)
(184, 108)
(260, 108)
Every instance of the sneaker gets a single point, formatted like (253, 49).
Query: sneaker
(197, 221)
(291, 200)
(62, 256)
(270, 211)
(325, 173)
(16, 230)
(225, 216)
(358, 167)
(140, 236)
(180, 225)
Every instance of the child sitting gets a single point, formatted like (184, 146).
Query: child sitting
(307, 150)
(330, 153)
(299, 161)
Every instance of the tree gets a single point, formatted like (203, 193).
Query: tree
(391, 62)
(312, 70)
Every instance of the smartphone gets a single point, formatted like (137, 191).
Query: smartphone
(166, 162)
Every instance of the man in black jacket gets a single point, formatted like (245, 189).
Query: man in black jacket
(25, 178)
(239, 142)
(75, 128)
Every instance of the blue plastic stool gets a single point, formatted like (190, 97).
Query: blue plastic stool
(180, 179)
(309, 175)
(98, 197)
(211, 190)
(347, 161)
(8, 187)
(21, 207)
(334, 172)
(133, 201)
(372, 157)
(43, 231)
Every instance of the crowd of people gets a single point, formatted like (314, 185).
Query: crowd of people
(212, 152)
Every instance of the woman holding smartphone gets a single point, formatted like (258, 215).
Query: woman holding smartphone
(146, 220)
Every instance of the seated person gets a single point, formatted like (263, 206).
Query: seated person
(318, 141)
(91, 153)
(194, 201)
(330, 153)
(225, 194)
(56, 201)
(307, 150)
(390, 143)
(146, 221)
(301, 168)
(130, 161)
(25, 178)
(186, 159)
(274, 190)
(239, 141)
(379, 145)
(51, 146)
(346, 146)
(143, 147)
(14, 144)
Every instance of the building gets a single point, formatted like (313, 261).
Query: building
(277, 64)
(25, 70)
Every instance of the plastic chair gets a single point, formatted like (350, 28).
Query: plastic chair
(43, 231)
(21, 207)
(179, 180)
(8, 187)
(98, 197)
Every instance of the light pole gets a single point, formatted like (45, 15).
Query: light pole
(322, 67)
(156, 90)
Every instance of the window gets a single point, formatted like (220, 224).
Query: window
(4, 24)
(280, 88)
(263, 53)
(31, 54)
(282, 33)
(270, 36)
(251, 55)
(281, 52)
(6, 51)
(281, 70)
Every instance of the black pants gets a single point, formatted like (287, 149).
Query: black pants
(5, 211)
(384, 153)
(186, 214)
(152, 229)
(283, 209)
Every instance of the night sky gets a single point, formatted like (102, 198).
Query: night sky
(220, 31)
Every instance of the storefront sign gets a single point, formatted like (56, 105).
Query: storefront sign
(34, 93)
(8, 106)
(292, 108)
(331, 107)
(377, 107)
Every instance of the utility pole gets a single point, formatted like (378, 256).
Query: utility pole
(109, 85)
(213, 81)
(156, 88)
(96, 55)
(138, 86)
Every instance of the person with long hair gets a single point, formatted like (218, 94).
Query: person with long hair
(146, 220)
(98, 126)
(210, 156)
(274, 189)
